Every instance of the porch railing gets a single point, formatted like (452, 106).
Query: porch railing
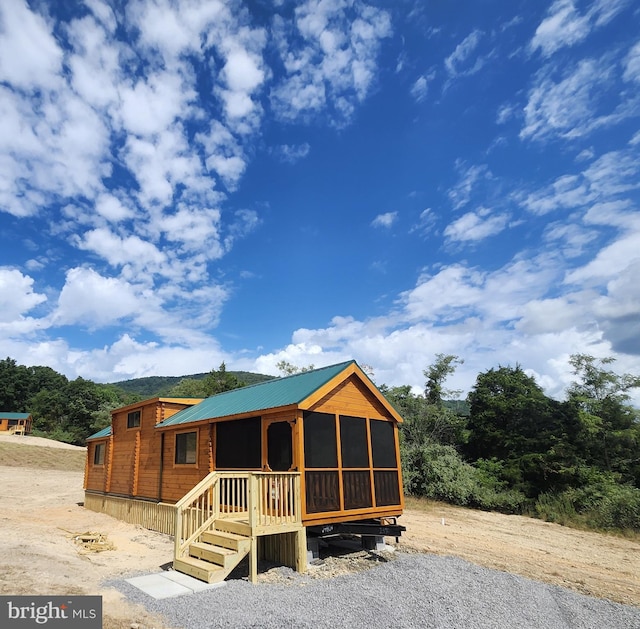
(261, 499)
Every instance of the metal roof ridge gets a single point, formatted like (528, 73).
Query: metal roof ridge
(185, 415)
(280, 379)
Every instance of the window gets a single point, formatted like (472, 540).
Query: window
(186, 446)
(133, 419)
(98, 454)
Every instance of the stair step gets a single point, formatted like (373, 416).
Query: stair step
(203, 570)
(218, 555)
(233, 526)
(226, 540)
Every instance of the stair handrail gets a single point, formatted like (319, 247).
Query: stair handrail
(206, 484)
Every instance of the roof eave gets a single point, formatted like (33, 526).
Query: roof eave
(220, 418)
(156, 400)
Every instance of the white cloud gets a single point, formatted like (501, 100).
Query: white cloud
(95, 63)
(591, 88)
(16, 298)
(632, 65)
(193, 228)
(112, 208)
(572, 238)
(164, 164)
(242, 71)
(223, 154)
(611, 262)
(385, 220)
(470, 177)
(23, 64)
(461, 60)
(505, 113)
(426, 223)
(244, 74)
(475, 226)
(97, 301)
(568, 191)
(420, 88)
(152, 104)
(329, 57)
(122, 251)
(292, 153)
(604, 180)
(564, 25)
(547, 114)
(168, 29)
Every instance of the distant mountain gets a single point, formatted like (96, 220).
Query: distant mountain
(159, 386)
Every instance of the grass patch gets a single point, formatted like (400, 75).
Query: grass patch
(417, 503)
(41, 458)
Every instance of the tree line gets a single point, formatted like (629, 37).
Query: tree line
(506, 447)
(72, 410)
(516, 450)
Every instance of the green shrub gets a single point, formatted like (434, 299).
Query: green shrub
(604, 505)
(438, 472)
(557, 508)
(619, 509)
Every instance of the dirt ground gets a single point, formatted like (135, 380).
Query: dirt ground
(41, 516)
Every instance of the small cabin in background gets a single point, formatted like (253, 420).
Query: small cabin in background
(264, 461)
(15, 423)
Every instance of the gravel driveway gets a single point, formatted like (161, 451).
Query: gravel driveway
(414, 590)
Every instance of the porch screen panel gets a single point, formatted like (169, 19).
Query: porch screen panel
(387, 489)
(353, 442)
(383, 444)
(322, 493)
(320, 444)
(357, 489)
(239, 444)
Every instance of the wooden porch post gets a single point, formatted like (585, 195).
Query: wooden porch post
(253, 521)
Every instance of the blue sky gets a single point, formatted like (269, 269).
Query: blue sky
(187, 183)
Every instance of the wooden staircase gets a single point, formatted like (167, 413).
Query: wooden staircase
(219, 521)
(214, 557)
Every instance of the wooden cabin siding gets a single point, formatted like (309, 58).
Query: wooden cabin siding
(124, 451)
(96, 475)
(165, 409)
(178, 479)
(147, 473)
(352, 398)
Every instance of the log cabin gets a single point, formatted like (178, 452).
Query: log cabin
(253, 469)
(15, 423)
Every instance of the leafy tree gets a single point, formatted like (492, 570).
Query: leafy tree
(289, 369)
(513, 421)
(609, 434)
(213, 383)
(428, 418)
(14, 386)
(436, 374)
